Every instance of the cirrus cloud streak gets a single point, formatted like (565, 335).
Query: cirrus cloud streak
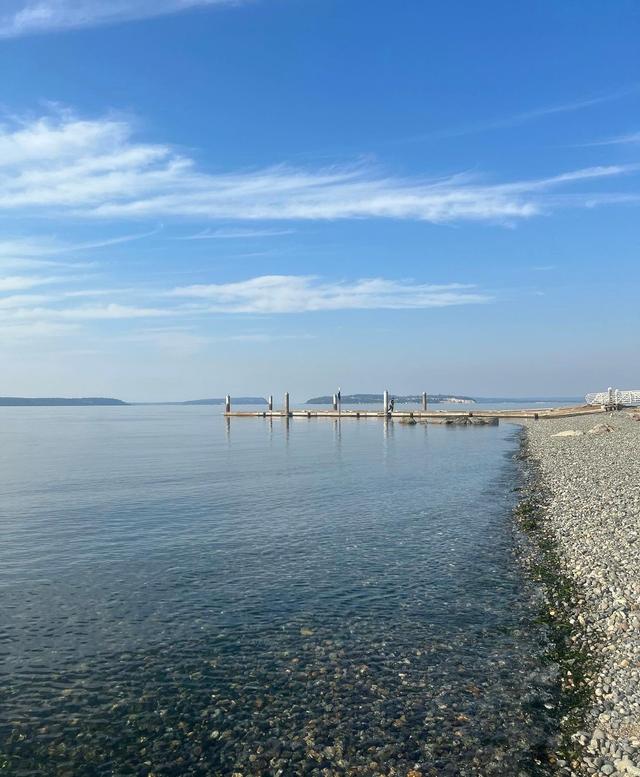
(26, 17)
(262, 295)
(65, 166)
(270, 294)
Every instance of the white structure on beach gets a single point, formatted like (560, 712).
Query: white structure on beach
(613, 398)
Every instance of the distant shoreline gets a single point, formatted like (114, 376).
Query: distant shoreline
(436, 399)
(350, 399)
(111, 402)
(59, 402)
(400, 399)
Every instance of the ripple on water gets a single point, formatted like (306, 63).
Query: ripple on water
(349, 605)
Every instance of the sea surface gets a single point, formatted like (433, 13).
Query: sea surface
(182, 594)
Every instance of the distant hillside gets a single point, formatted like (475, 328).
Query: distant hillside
(370, 399)
(57, 401)
(234, 401)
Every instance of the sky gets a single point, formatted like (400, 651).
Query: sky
(201, 197)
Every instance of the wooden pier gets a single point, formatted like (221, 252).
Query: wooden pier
(422, 414)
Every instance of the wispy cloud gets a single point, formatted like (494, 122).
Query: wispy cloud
(524, 117)
(631, 138)
(97, 292)
(28, 17)
(23, 300)
(33, 253)
(237, 234)
(20, 282)
(108, 242)
(111, 311)
(96, 169)
(30, 254)
(18, 333)
(197, 304)
(299, 294)
(574, 176)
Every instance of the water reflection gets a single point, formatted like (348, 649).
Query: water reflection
(337, 431)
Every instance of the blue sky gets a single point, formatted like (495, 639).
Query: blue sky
(200, 196)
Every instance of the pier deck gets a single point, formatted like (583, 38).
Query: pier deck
(437, 415)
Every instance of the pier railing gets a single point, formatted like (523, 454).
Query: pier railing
(612, 398)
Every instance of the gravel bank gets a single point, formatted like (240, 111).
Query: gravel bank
(590, 508)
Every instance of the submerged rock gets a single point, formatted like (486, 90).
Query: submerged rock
(475, 421)
(460, 421)
(464, 420)
(472, 421)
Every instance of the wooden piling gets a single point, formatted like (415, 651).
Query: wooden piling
(385, 402)
(286, 405)
(227, 404)
(271, 403)
(335, 402)
(424, 401)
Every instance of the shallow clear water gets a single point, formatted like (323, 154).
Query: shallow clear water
(184, 595)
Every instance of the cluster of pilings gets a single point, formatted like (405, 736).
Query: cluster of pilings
(336, 404)
(285, 404)
(388, 412)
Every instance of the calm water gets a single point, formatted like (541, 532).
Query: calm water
(183, 596)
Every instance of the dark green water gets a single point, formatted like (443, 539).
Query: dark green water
(179, 596)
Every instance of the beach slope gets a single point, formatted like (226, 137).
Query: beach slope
(589, 475)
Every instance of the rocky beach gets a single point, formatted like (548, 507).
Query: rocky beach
(583, 510)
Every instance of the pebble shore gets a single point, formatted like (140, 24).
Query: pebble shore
(588, 505)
